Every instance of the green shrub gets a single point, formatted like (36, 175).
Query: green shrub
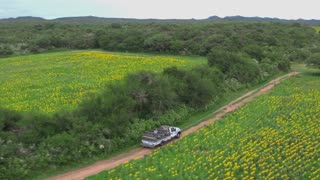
(314, 60)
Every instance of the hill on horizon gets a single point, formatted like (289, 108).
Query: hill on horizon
(211, 18)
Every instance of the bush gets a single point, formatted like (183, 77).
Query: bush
(5, 51)
(222, 59)
(314, 60)
(56, 147)
(299, 55)
(233, 65)
(268, 68)
(245, 71)
(255, 52)
(158, 43)
(284, 65)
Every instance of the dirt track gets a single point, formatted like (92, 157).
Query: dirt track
(141, 152)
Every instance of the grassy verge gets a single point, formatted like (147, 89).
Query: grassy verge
(194, 120)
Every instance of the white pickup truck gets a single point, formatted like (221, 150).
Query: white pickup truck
(159, 136)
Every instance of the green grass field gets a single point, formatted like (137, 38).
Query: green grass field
(50, 82)
(317, 28)
(276, 136)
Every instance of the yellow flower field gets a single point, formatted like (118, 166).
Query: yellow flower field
(274, 137)
(51, 82)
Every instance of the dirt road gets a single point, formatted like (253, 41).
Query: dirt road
(141, 152)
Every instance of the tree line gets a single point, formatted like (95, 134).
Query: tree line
(176, 37)
(184, 38)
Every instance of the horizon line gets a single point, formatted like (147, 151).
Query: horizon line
(221, 17)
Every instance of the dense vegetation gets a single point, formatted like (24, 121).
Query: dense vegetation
(239, 55)
(275, 136)
(47, 83)
(314, 60)
(185, 37)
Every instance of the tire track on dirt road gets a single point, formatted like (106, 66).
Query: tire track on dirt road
(141, 152)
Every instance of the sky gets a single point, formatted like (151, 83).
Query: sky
(161, 9)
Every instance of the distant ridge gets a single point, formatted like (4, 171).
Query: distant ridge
(89, 19)
(26, 18)
(263, 19)
(103, 19)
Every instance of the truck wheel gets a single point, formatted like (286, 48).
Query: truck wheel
(178, 135)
